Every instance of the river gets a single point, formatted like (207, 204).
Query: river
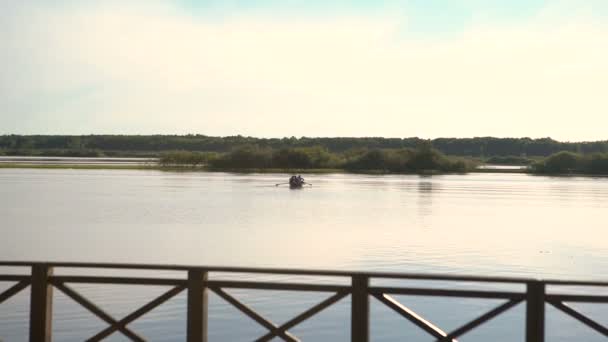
(475, 224)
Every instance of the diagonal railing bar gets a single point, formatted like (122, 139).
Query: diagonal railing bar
(580, 317)
(411, 316)
(13, 290)
(251, 313)
(137, 313)
(94, 309)
(480, 320)
(304, 316)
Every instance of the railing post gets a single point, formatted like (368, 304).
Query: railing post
(359, 329)
(535, 312)
(197, 305)
(41, 303)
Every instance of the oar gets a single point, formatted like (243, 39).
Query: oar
(280, 184)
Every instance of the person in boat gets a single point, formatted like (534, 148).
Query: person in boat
(296, 181)
(293, 181)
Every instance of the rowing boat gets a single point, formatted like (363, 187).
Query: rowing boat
(296, 182)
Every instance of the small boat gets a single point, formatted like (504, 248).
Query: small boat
(296, 182)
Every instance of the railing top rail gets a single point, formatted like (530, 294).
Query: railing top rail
(307, 272)
(567, 282)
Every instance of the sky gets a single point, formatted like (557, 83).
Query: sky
(274, 68)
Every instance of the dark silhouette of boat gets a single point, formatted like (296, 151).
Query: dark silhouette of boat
(296, 182)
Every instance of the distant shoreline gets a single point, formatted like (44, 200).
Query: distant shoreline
(287, 171)
(25, 165)
(563, 164)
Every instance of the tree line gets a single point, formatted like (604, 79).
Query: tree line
(573, 163)
(153, 145)
(423, 159)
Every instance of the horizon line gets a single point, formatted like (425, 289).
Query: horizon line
(305, 137)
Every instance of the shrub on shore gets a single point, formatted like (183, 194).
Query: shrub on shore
(185, 158)
(509, 160)
(568, 163)
(422, 159)
(245, 157)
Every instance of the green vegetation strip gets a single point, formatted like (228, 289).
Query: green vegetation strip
(508, 150)
(423, 159)
(79, 166)
(573, 163)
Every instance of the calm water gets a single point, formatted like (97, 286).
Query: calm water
(480, 224)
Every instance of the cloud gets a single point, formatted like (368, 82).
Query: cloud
(153, 68)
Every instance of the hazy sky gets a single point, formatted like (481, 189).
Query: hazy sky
(425, 68)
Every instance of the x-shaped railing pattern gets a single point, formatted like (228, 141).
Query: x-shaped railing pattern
(116, 325)
(274, 330)
(197, 284)
(556, 301)
(435, 331)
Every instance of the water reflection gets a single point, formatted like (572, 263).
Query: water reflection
(494, 224)
(425, 200)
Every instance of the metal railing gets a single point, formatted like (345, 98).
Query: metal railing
(198, 284)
